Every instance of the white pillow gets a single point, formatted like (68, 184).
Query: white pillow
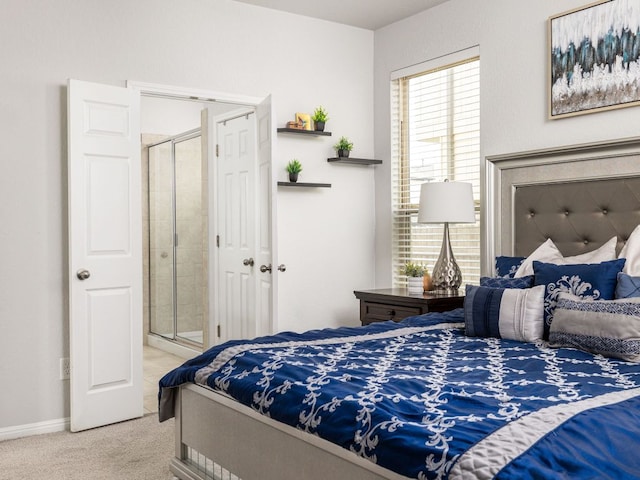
(605, 253)
(631, 251)
(549, 253)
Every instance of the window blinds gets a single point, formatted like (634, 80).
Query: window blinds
(435, 136)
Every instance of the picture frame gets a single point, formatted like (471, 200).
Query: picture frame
(594, 62)
(304, 119)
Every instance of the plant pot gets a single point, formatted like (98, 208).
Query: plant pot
(318, 126)
(414, 285)
(343, 153)
(293, 177)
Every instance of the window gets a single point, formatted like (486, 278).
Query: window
(435, 136)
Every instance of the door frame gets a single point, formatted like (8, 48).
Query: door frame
(194, 94)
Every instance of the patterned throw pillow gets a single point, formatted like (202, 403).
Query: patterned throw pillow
(596, 281)
(503, 282)
(507, 266)
(607, 327)
(510, 313)
(627, 286)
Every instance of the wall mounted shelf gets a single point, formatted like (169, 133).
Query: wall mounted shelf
(354, 161)
(303, 184)
(298, 131)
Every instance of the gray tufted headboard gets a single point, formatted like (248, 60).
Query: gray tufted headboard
(578, 216)
(579, 196)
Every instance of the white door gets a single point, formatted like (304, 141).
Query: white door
(236, 217)
(105, 254)
(266, 282)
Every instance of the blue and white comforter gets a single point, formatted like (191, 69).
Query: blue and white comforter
(420, 398)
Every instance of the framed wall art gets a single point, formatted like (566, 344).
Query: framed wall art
(594, 58)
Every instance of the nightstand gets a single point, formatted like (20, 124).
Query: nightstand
(395, 304)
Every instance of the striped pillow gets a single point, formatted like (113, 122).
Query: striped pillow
(607, 327)
(512, 313)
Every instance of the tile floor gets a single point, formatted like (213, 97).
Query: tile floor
(156, 364)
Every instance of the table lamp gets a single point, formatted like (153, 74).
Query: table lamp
(446, 202)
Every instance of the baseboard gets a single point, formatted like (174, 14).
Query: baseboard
(19, 431)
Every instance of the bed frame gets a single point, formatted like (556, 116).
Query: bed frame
(579, 197)
(216, 437)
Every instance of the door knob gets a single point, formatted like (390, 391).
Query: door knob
(282, 267)
(264, 268)
(248, 262)
(83, 274)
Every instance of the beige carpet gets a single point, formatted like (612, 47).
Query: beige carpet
(138, 449)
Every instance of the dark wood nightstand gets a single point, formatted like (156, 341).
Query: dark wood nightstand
(396, 303)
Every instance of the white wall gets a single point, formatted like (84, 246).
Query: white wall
(513, 73)
(168, 117)
(326, 236)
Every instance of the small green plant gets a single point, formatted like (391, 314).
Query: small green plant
(343, 144)
(294, 166)
(320, 115)
(413, 270)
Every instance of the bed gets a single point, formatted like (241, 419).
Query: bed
(442, 395)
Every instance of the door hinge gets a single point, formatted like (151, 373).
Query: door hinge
(219, 332)
(217, 150)
(218, 241)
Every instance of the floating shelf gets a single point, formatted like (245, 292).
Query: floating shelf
(303, 184)
(299, 131)
(355, 161)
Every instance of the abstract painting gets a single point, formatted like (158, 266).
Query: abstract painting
(595, 58)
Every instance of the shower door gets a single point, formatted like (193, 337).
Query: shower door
(177, 239)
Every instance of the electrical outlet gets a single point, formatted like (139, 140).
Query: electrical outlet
(65, 368)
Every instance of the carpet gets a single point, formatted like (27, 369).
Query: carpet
(137, 449)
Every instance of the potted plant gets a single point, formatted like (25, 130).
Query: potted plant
(343, 147)
(294, 167)
(319, 118)
(414, 273)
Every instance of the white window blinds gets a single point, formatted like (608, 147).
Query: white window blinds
(435, 136)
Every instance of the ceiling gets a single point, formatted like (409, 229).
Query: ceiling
(369, 14)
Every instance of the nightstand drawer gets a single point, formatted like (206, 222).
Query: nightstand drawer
(376, 312)
(397, 303)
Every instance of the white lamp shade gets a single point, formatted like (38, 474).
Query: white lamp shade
(446, 202)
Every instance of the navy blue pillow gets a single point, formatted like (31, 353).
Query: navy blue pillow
(585, 280)
(507, 266)
(628, 286)
(505, 282)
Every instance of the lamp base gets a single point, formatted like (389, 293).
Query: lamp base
(446, 275)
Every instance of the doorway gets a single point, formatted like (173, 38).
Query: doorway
(105, 240)
(186, 307)
(176, 218)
